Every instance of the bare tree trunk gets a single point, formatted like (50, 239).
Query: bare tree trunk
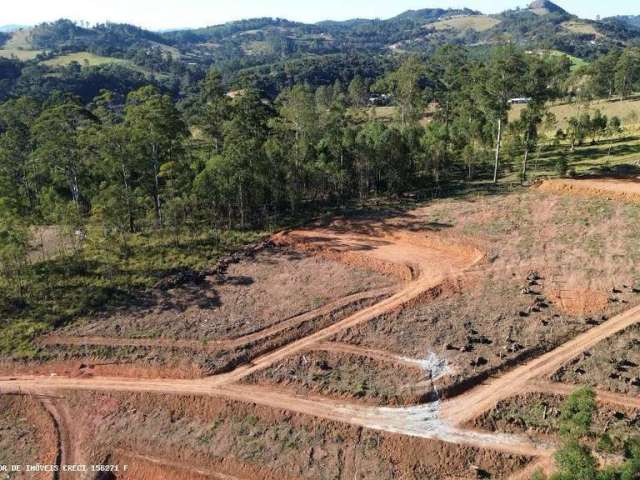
(498, 143)
(526, 157)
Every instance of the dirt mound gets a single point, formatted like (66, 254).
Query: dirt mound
(624, 189)
(579, 301)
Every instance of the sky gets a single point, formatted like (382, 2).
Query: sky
(165, 14)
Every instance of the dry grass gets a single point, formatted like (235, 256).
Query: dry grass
(580, 28)
(477, 23)
(22, 55)
(627, 110)
(83, 58)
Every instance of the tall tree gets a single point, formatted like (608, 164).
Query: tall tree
(156, 132)
(503, 80)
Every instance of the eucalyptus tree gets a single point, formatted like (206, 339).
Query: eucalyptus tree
(156, 133)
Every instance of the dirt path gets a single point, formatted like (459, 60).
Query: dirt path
(69, 452)
(484, 397)
(181, 467)
(215, 345)
(602, 396)
(421, 421)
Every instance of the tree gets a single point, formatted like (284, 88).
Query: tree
(575, 462)
(214, 109)
(57, 135)
(156, 134)
(14, 246)
(577, 412)
(601, 81)
(502, 79)
(627, 72)
(358, 92)
(406, 86)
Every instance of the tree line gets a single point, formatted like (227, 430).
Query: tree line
(141, 161)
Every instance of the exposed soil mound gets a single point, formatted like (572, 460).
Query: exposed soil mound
(580, 301)
(608, 188)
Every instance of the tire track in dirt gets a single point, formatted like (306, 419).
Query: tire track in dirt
(380, 355)
(468, 406)
(69, 452)
(181, 467)
(215, 345)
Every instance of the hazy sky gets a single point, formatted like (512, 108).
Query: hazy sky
(160, 14)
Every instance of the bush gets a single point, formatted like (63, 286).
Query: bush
(562, 165)
(576, 413)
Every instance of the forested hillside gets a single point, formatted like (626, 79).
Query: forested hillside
(275, 53)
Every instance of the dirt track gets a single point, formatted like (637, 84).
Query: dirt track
(432, 261)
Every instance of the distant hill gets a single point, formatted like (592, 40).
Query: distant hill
(12, 28)
(263, 44)
(545, 6)
(629, 20)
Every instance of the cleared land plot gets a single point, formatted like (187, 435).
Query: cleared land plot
(83, 58)
(627, 110)
(614, 364)
(338, 374)
(538, 414)
(27, 435)
(477, 23)
(557, 265)
(20, 54)
(257, 305)
(580, 28)
(242, 440)
(253, 295)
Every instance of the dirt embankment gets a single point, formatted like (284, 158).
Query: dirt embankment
(27, 435)
(621, 189)
(224, 439)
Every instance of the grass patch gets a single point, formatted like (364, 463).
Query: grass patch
(84, 58)
(477, 23)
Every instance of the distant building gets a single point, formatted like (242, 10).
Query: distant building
(519, 101)
(380, 100)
